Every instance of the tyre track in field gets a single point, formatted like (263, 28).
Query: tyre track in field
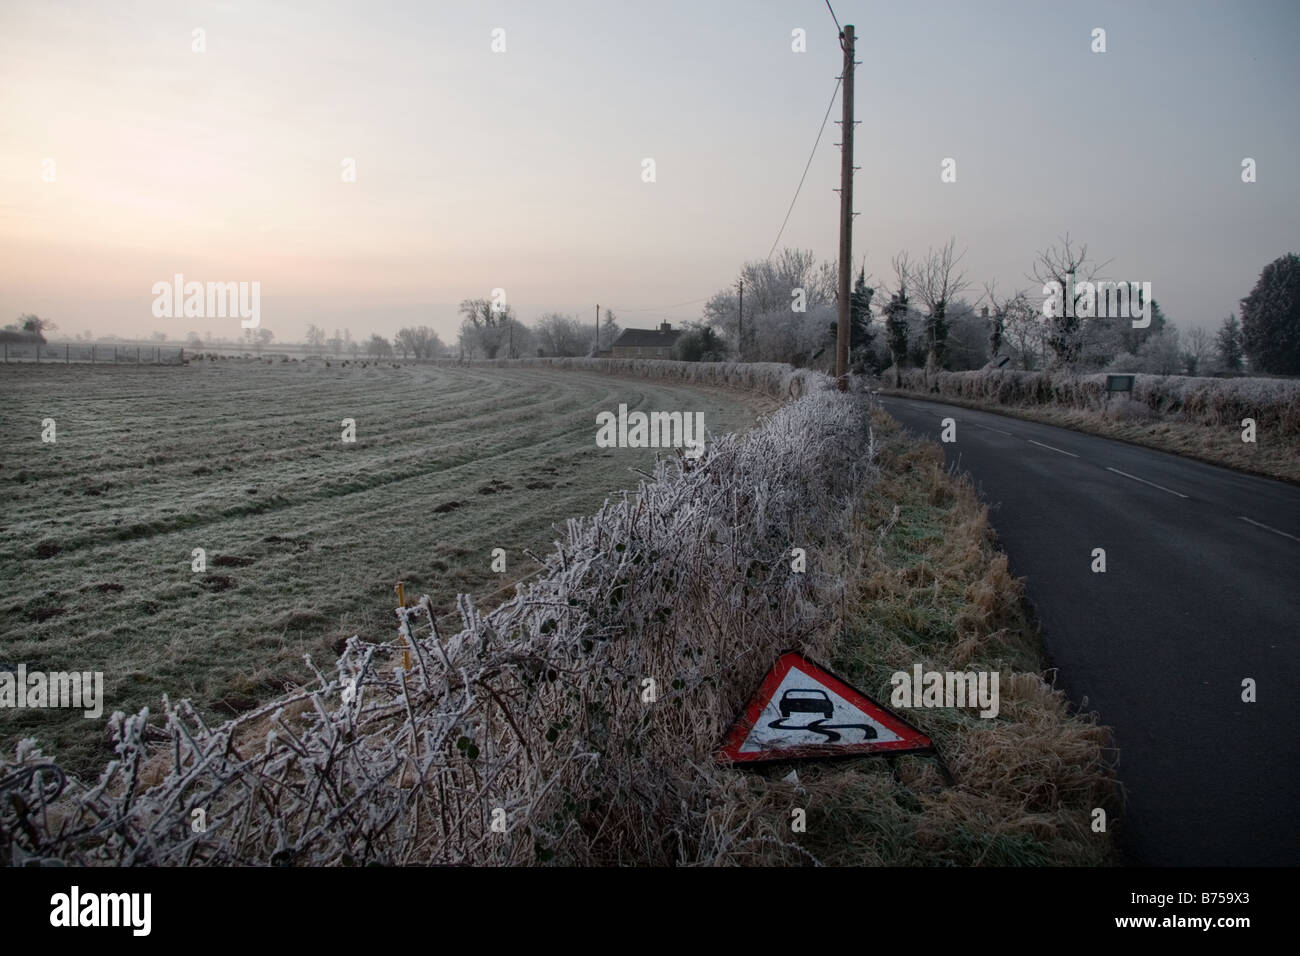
(120, 435)
(100, 542)
(352, 482)
(317, 566)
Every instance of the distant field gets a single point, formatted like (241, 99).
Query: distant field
(304, 534)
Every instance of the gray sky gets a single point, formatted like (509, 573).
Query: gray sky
(522, 169)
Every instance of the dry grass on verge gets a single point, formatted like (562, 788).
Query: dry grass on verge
(932, 589)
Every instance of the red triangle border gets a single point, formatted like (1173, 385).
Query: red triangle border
(912, 739)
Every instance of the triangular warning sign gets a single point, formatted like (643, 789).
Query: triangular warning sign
(802, 711)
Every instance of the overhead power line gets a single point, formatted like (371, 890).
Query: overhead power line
(829, 107)
(834, 17)
(660, 308)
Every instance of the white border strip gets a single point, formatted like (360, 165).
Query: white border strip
(1061, 450)
(1267, 528)
(1145, 482)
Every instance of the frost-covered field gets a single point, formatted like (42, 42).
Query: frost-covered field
(304, 534)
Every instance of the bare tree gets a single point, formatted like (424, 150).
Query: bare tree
(1161, 354)
(1064, 266)
(1024, 328)
(895, 313)
(996, 312)
(421, 342)
(561, 335)
(1199, 350)
(486, 327)
(773, 287)
(518, 338)
(901, 265)
(936, 283)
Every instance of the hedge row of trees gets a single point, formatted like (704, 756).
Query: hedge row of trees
(487, 330)
(490, 330)
(923, 318)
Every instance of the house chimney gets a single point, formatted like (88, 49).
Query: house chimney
(665, 327)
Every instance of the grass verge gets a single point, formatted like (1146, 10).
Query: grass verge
(931, 588)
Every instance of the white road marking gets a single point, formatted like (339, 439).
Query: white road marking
(1061, 450)
(988, 429)
(1145, 482)
(1267, 528)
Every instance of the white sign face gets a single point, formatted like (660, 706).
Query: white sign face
(806, 713)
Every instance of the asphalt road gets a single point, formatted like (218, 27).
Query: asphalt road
(1201, 590)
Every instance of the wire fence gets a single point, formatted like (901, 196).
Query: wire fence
(67, 353)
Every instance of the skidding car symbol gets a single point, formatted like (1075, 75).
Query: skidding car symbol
(806, 701)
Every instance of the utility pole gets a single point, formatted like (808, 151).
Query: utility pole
(597, 352)
(846, 214)
(740, 321)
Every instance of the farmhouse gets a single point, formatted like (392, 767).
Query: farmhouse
(646, 343)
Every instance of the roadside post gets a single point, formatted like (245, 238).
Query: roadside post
(406, 650)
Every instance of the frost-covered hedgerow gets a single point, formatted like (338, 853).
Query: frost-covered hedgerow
(573, 724)
(1273, 403)
(771, 378)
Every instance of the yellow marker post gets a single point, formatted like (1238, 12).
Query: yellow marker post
(406, 651)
